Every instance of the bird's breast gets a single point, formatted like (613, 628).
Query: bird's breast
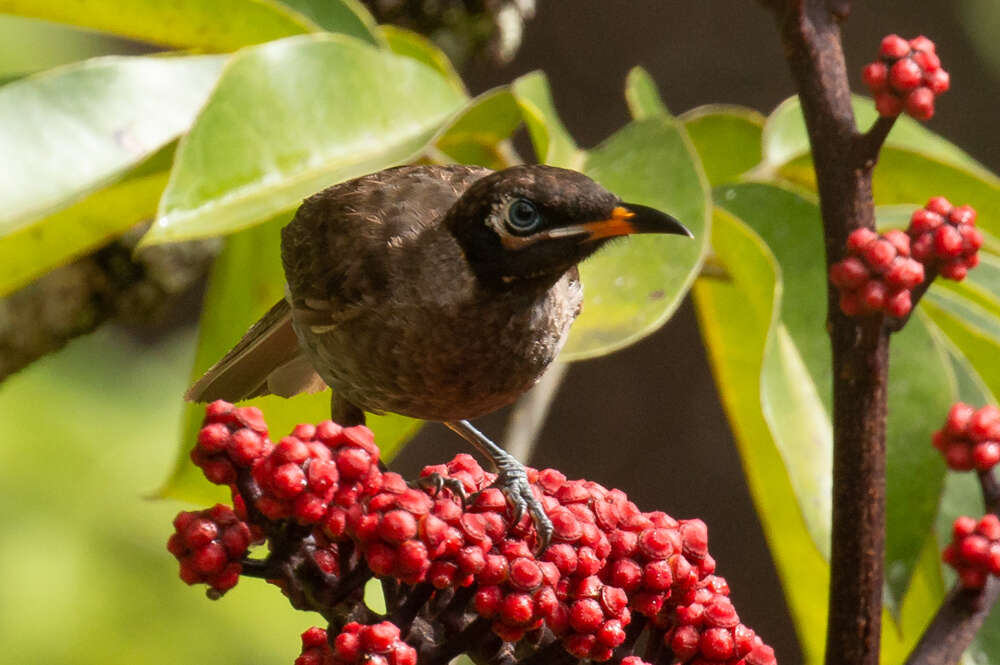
(442, 355)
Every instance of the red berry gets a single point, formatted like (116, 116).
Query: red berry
(517, 609)
(849, 273)
(905, 75)
(888, 104)
(586, 616)
(876, 76)
(873, 295)
(859, 239)
(894, 46)
(717, 644)
(938, 81)
(921, 43)
(947, 240)
(899, 304)
(920, 103)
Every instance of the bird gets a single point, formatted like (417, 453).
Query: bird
(440, 292)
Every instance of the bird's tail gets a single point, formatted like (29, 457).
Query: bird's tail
(267, 360)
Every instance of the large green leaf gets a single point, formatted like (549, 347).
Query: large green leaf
(292, 117)
(414, 45)
(799, 413)
(246, 281)
(735, 314)
(642, 95)
(348, 17)
(633, 286)
(553, 144)
(727, 138)
(215, 26)
(72, 130)
(908, 177)
(479, 135)
(33, 250)
(785, 138)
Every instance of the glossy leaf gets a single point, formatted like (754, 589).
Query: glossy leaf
(553, 144)
(414, 45)
(49, 242)
(642, 95)
(77, 128)
(972, 329)
(246, 281)
(727, 138)
(735, 314)
(633, 285)
(290, 118)
(907, 177)
(215, 26)
(347, 17)
(785, 138)
(479, 134)
(791, 227)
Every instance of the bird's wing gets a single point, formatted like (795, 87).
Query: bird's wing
(269, 348)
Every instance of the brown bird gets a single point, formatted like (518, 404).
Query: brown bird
(437, 292)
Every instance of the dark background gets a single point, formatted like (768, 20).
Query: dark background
(648, 419)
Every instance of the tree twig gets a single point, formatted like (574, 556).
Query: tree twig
(810, 31)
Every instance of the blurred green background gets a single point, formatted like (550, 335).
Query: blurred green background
(89, 433)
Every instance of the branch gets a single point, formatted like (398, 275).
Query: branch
(963, 611)
(75, 299)
(843, 160)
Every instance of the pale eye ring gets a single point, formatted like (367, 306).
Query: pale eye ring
(522, 216)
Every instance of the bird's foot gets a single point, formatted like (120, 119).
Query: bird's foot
(436, 482)
(512, 480)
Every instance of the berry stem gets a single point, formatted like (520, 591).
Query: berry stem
(843, 159)
(894, 324)
(259, 568)
(870, 143)
(991, 491)
(955, 625)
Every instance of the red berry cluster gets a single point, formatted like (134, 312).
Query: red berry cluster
(877, 274)
(970, 438)
(230, 439)
(209, 545)
(945, 237)
(705, 628)
(357, 644)
(607, 559)
(907, 76)
(975, 551)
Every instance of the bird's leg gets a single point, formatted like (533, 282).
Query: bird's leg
(512, 480)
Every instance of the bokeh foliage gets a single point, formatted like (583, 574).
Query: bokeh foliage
(303, 94)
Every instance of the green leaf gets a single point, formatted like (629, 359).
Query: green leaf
(553, 144)
(727, 138)
(215, 26)
(735, 314)
(235, 299)
(479, 134)
(290, 118)
(633, 286)
(77, 128)
(785, 138)
(972, 329)
(347, 17)
(642, 95)
(791, 227)
(49, 242)
(908, 177)
(414, 45)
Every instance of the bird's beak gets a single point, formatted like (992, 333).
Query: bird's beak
(630, 218)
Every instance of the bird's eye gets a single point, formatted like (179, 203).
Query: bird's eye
(523, 216)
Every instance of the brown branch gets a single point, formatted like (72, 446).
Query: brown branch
(963, 611)
(111, 283)
(810, 31)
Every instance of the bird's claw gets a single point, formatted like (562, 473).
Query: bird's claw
(512, 480)
(437, 482)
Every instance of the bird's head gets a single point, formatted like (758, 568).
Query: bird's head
(529, 223)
